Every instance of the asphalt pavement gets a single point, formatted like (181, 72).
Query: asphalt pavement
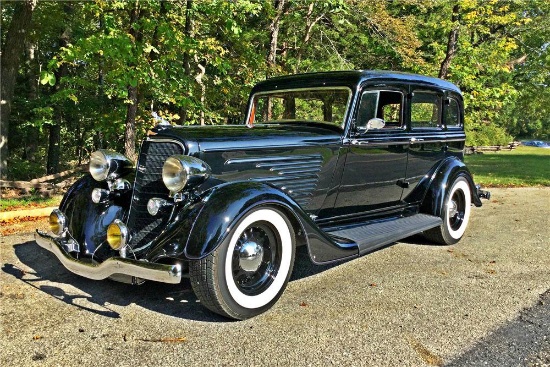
(484, 301)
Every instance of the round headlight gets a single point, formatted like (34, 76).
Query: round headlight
(154, 205)
(117, 234)
(58, 222)
(99, 195)
(107, 164)
(180, 171)
(174, 174)
(99, 166)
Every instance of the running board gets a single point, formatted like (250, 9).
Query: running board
(374, 235)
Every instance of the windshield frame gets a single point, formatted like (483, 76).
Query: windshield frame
(251, 113)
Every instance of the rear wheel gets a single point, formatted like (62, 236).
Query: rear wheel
(455, 214)
(249, 271)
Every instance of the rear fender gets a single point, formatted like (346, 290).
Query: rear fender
(449, 170)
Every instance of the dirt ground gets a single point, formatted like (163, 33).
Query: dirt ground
(483, 301)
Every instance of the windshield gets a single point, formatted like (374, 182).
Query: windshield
(324, 105)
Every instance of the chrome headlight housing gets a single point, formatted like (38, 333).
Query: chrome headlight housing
(117, 235)
(58, 222)
(108, 164)
(181, 171)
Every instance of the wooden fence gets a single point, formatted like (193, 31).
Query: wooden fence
(490, 148)
(46, 185)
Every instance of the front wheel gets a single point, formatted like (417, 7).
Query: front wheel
(455, 214)
(249, 271)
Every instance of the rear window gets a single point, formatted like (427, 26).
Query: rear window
(425, 110)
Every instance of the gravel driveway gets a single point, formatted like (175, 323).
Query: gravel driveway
(411, 304)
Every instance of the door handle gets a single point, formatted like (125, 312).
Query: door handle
(414, 140)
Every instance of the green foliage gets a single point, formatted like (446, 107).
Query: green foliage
(24, 169)
(47, 77)
(486, 134)
(197, 65)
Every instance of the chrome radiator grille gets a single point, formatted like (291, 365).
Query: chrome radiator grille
(148, 184)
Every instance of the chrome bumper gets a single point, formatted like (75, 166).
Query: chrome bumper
(115, 265)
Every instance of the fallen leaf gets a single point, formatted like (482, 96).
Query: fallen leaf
(38, 356)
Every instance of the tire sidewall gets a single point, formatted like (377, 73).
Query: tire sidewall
(245, 306)
(459, 184)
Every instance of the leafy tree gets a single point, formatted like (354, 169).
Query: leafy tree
(93, 70)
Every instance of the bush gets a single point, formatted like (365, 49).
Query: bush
(481, 134)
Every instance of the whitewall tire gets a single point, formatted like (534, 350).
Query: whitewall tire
(455, 214)
(249, 271)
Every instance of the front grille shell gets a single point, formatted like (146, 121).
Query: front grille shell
(144, 227)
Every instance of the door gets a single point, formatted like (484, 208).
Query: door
(427, 136)
(376, 154)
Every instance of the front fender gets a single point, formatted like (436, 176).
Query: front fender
(87, 221)
(450, 169)
(223, 206)
(197, 229)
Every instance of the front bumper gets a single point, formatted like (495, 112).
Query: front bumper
(112, 266)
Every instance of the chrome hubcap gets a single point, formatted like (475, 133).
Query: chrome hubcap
(250, 256)
(256, 258)
(453, 209)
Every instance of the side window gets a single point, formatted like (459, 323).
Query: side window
(425, 110)
(452, 114)
(385, 105)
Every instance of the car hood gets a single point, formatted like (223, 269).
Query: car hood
(199, 139)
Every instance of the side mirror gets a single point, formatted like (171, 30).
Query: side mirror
(375, 124)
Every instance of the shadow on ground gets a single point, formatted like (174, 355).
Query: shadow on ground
(97, 296)
(524, 341)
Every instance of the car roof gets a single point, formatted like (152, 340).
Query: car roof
(350, 79)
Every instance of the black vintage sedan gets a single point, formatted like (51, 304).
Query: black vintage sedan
(341, 162)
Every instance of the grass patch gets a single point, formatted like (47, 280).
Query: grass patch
(28, 202)
(524, 166)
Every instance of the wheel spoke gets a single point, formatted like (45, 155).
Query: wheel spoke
(254, 282)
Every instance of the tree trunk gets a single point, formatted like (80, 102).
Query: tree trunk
(12, 49)
(272, 55)
(32, 134)
(310, 23)
(101, 61)
(130, 124)
(188, 33)
(131, 111)
(452, 44)
(54, 145)
(274, 35)
(200, 81)
(54, 149)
